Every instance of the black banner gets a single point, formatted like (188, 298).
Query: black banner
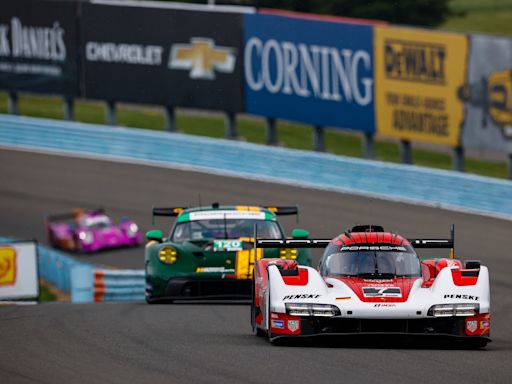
(38, 47)
(162, 56)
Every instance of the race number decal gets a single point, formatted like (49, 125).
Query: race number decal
(227, 245)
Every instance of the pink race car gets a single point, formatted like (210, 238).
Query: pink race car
(90, 231)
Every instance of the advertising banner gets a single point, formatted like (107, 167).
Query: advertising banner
(18, 271)
(38, 47)
(162, 56)
(418, 74)
(315, 72)
(488, 95)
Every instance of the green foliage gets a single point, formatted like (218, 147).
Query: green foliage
(412, 12)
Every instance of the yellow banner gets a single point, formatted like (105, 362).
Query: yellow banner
(7, 266)
(417, 75)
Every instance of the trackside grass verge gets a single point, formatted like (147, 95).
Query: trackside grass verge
(250, 129)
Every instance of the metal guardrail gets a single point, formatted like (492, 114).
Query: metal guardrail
(397, 182)
(85, 282)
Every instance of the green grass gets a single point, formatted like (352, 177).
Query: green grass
(488, 16)
(45, 295)
(249, 129)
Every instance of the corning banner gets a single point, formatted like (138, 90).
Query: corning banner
(315, 72)
(417, 77)
(38, 47)
(162, 56)
(19, 277)
(488, 95)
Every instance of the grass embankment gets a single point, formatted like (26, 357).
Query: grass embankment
(289, 134)
(487, 16)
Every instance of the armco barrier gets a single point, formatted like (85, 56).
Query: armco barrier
(85, 282)
(90, 284)
(396, 182)
(54, 266)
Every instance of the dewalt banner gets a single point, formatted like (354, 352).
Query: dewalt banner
(417, 76)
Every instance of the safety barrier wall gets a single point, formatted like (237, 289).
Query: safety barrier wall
(95, 285)
(55, 267)
(414, 85)
(303, 168)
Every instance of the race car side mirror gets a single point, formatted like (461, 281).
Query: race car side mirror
(155, 235)
(300, 234)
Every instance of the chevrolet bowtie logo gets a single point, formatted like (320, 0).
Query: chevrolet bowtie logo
(202, 58)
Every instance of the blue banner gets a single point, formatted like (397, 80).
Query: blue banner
(314, 72)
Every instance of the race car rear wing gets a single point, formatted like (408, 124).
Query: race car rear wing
(71, 215)
(322, 243)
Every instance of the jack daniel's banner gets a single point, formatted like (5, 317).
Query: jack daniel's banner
(38, 47)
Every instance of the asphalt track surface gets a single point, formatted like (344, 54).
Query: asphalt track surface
(139, 343)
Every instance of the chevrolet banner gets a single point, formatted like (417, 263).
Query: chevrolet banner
(162, 56)
(18, 271)
(418, 74)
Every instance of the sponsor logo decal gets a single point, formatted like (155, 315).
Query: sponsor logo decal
(471, 325)
(303, 296)
(214, 270)
(465, 297)
(374, 248)
(343, 298)
(485, 324)
(308, 71)
(202, 58)
(293, 325)
(382, 292)
(415, 61)
(384, 305)
(277, 324)
(7, 266)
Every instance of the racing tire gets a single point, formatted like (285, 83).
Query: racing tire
(255, 330)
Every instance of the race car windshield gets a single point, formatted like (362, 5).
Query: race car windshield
(225, 229)
(96, 222)
(381, 261)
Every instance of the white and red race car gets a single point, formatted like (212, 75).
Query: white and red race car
(371, 282)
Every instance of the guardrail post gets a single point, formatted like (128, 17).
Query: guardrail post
(271, 131)
(458, 158)
(169, 119)
(405, 152)
(111, 113)
(69, 109)
(318, 138)
(12, 106)
(82, 284)
(510, 166)
(230, 124)
(368, 151)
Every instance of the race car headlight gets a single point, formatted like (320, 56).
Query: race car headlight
(306, 309)
(446, 310)
(288, 253)
(86, 237)
(132, 230)
(168, 255)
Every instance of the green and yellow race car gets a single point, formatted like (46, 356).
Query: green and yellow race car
(210, 253)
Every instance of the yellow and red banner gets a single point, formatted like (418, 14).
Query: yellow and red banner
(417, 77)
(7, 266)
